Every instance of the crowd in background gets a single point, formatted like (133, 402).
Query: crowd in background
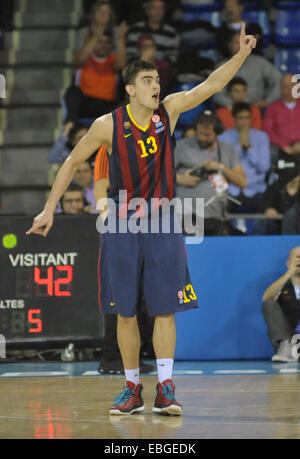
(250, 130)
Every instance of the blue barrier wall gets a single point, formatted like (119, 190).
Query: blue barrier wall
(230, 275)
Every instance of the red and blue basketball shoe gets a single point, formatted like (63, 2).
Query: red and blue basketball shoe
(165, 402)
(129, 401)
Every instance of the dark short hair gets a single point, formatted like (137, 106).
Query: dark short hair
(252, 28)
(134, 68)
(72, 187)
(240, 107)
(98, 4)
(76, 128)
(207, 118)
(149, 2)
(237, 80)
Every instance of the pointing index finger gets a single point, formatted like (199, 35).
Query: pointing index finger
(243, 30)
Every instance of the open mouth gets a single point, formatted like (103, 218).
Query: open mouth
(155, 97)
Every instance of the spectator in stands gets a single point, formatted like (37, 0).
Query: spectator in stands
(281, 308)
(147, 47)
(233, 14)
(130, 10)
(262, 77)
(110, 362)
(291, 219)
(219, 163)
(70, 136)
(233, 19)
(84, 178)
(96, 93)
(277, 200)
(282, 119)
(100, 19)
(253, 148)
(101, 176)
(166, 38)
(237, 90)
(73, 200)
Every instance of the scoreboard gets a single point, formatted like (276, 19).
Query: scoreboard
(49, 286)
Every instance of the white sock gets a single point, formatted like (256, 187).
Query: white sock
(133, 375)
(164, 369)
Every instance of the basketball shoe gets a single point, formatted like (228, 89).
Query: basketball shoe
(165, 402)
(129, 401)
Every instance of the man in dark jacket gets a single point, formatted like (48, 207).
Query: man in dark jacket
(279, 199)
(281, 309)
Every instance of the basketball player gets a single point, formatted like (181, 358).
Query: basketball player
(140, 146)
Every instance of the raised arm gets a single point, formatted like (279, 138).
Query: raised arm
(88, 47)
(100, 132)
(121, 61)
(186, 100)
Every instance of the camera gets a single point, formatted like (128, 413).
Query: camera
(202, 173)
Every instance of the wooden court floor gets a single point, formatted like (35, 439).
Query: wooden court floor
(214, 407)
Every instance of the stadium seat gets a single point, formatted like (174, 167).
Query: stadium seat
(188, 7)
(188, 118)
(209, 54)
(261, 18)
(197, 36)
(288, 60)
(213, 17)
(287, 30)
(288, 5)
(250, 6)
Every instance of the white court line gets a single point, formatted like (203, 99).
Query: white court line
(90, 373)
(192, 372)
(224, 372)
(35, 373)
(289, 370)
(188, 372)
(96, 373)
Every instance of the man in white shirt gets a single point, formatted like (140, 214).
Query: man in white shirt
(233, 12)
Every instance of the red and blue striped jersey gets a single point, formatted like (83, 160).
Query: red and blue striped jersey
(142, 159)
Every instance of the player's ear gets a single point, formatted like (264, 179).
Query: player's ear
(130, 90)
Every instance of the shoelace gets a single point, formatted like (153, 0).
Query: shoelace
(124, 396)
(168, 392)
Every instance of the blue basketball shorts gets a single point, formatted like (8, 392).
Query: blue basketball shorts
(155, 262)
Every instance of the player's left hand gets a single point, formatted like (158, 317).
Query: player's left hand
(247, 42)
